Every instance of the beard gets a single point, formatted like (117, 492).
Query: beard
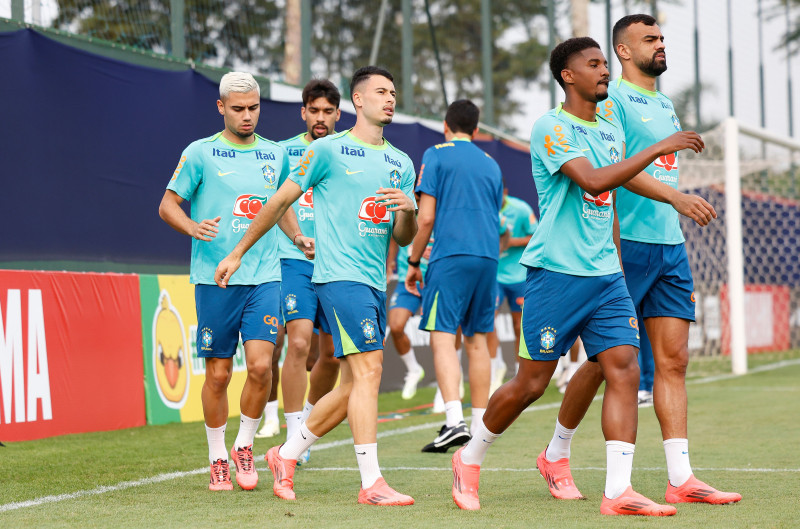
(316, 136)
(653, 67)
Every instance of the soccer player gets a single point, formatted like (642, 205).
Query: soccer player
(299, 302)
(227, 178)
(520, 222)
(656, 265)
(402, 305)
(364, 190)
(461, 191)
(574, 281)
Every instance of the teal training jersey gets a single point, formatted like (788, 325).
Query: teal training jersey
(304, 207)
(224, 179)
(575, 232)
(647, 118)
(352, 227)
(521, 221)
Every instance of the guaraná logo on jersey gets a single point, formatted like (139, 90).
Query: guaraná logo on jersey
(269, 174)
(306, 200)
(290, 303)
(394, 178)
(603, 200)
(547, 340)
(170, 354)
(613, 154)
(668, 161)
(248, 206)
(368, 328)
(374, 211)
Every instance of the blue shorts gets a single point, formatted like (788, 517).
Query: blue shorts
(459, 291)
(357, 314)
(223, 313)
(298, 296)
(403, 299)
(561, 307)
(514, 293)
(659, 279)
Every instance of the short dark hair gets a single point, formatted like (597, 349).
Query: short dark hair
(317, 88)
(462, 116)
(561, 54)
(627, 21)
(364, 73)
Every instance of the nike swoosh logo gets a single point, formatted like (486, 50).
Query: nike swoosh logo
(584, 150)
(684, 452)
(562, 437)
(220, 173)
(645, 120)
(361, 453)
(273, 332)
(627, 453)
(349, 172)
(301, 434)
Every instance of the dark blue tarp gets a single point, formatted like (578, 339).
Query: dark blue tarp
(89, 144)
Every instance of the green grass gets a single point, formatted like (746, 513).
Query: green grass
(744, 434)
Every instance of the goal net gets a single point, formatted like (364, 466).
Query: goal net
(746, 263)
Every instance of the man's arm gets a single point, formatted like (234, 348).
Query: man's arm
(289, 225)
(693, 206)
(615, 231)
(265, 219)
(425, 218)
(172, 213)
(405, 221)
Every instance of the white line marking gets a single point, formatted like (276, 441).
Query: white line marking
(388, 433)
(536, 470)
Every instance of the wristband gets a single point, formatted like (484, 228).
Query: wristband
(294, 240)
(415, 264)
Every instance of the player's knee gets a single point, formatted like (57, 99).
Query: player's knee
(217, 380)
(260, 371)
(299, 344)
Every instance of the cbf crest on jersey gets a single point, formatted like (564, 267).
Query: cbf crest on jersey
(547, 340)
(394, 179)
(368, 328)
(269, 175)
(676, 123)
(613, 154)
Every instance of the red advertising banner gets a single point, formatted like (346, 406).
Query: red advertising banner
(767, 312)
(70, 354)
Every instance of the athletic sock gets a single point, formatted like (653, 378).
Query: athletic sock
(247, 430)
(216, 443)
(271, 411)
(477, 418)
(475, 451)
(678, 468)
(298, 443)
(454, 412)
(619, 461)
(293, 422)
(410, 360)
(307, 411)
(560, 443)
(367, 457)
(498, 360)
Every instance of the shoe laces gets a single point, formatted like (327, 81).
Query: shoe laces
(244, 456)
(220, 471)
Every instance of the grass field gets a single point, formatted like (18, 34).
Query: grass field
(744, 434)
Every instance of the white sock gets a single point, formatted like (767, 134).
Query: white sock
(367, 457)
(298, 443)
(678, 468)
(477, 418)
(247, 430)
(619, 461)
(410, 360)
(216, 443)
(307, 411)
(559, 444)
(293, 421)
(498, 360)
(475, 451)
(458, 354)
(271, 411)
(455, 414)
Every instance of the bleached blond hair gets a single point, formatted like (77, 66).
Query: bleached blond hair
(237, 82)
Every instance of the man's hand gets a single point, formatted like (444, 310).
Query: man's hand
(305, 245)
(679, 141)
(226, 269)
(394, 199)
(206, 230)
(694, 207)
(413, 277)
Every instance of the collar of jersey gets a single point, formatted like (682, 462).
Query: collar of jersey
(352, 137)
(460, 139)
(576, 119)
(637, 88)
(237, 146)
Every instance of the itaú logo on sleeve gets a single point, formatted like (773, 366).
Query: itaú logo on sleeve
(248, 206)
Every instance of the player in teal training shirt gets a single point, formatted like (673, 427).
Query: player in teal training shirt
(228, 178)
(657, 269)
(574, 282)
(364, 196)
